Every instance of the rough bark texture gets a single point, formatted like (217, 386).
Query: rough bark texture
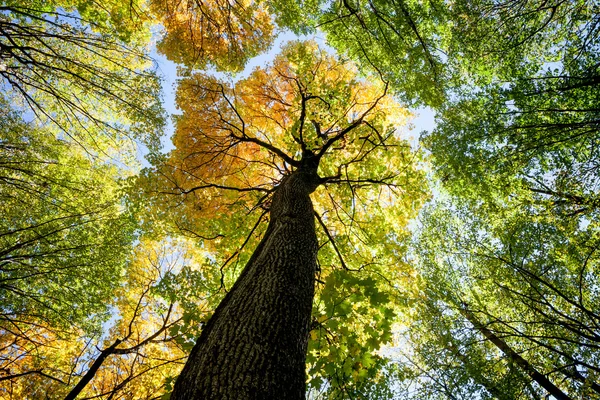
(254, 346)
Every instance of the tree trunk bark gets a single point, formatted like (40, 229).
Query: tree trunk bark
(254, 346)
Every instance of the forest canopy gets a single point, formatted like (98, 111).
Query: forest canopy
(293, 226)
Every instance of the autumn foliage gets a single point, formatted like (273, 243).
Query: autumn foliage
(222, 33)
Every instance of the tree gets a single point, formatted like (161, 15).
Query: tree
(77, 101)
(431, 51)
(77, 70)
(82, 68)
(521, 283)
(306, 124)
(153, 324)
(515, 246)
(497, 299)
(519, 157)
(223, 34)
(154, 319)
(513, 356)
(64, 240)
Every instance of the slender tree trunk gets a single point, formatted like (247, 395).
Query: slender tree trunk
(576, 375)
(254, 346)
(112, 349)
(515, 357)
(89, 375)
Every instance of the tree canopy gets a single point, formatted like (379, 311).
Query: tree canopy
(460, 266)
(82, 69)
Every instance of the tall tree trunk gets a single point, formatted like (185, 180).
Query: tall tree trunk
(89, 375)
(254, 346)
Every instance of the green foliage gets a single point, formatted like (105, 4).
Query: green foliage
(517, 244)
(400, 40)
(64, 235)
(88, 78)
(534, 140)
(530, 279)
(125, 20)
(430, 51)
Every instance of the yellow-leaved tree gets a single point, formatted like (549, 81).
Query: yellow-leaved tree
(224, 34)
(314, 149)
